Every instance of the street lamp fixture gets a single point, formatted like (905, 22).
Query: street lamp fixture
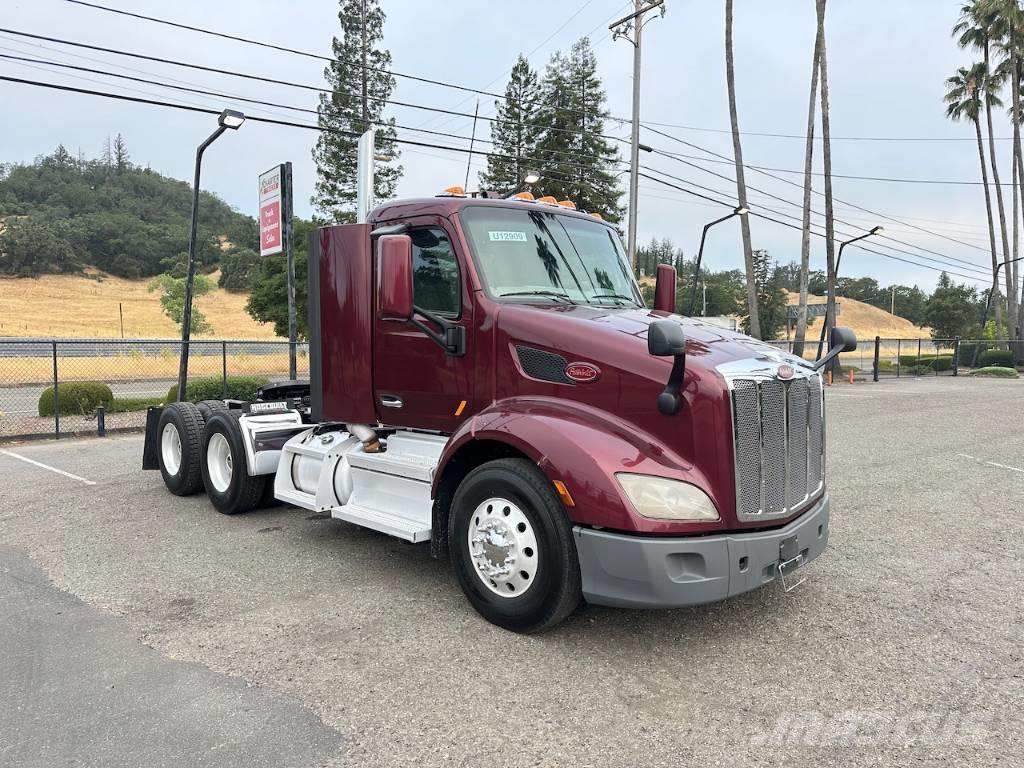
(830, 305)
(228, 119)
(740, 210)
(531, 177)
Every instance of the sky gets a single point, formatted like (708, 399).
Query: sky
(887, 62)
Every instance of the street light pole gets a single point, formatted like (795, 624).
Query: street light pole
(227, 119)
(830, 303)
(640, 7)
(740, 211)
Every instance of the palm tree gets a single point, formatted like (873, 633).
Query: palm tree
(805, 233)
(963, 102)
(982, 22)
(826, 150)
(741, 183)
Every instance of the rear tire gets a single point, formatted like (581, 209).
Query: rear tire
(180, 433)
(231, 488)
(209, 407)
(512, 547)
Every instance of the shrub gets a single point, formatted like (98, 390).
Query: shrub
(997, 372)
(967, 350)
(76, 398)
(936, 363)
(996, 358)
(212, 388)
(908, 361)
(917, 370)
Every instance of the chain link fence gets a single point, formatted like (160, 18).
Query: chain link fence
(882, 358)
(123, 378)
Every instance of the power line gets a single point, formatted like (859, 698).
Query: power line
(942, 264)
(732, 204)
(275, 81)
(479, 91)
(795, 204)
(409, 142)
(838, 200)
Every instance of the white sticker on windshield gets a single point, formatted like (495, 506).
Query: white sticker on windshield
(506, 237)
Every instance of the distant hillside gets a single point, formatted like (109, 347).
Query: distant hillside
(86, 306)
(865, 320)
(61, 213)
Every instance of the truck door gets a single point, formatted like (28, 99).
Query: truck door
(416, 382)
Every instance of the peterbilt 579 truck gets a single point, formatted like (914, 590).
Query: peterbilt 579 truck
(485, 376)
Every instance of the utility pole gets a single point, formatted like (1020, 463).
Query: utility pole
(364, 77)
(620, 28)
(472, 141)
(892, 309)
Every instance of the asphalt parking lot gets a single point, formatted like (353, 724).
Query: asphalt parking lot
(137, 628)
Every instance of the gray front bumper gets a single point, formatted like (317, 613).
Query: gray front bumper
(651, 572)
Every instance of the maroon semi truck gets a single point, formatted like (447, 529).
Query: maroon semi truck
(485, 376)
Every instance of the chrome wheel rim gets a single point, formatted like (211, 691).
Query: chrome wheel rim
(503, 547)
(218, 462)
(170, 449)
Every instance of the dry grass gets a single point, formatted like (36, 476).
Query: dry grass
(136, 366)
(80, 306)
(865, 320)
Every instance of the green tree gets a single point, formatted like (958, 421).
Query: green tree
(771, 298)
(121, 160)
(172, 299)
(578, 163)
(238, 268)
(360, 83)
(268, 299)
(514, 132)
(952, 309)
(964, 92)
(30, 246)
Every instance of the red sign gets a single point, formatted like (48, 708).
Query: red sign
(582, 373)
(270, 212)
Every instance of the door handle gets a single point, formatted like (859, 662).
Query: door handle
(391, 401)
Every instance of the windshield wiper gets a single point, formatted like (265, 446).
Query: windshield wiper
(630, 299)
(551, 294)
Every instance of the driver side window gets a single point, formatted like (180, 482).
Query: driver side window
(435, 272)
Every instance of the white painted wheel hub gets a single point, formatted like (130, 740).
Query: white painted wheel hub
(503, 547)
(218, 462)
(170, 449)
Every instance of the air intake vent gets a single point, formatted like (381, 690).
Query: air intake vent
(546, 366)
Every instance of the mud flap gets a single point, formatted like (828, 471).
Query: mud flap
(151, 448)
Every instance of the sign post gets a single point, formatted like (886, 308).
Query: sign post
(277, 235)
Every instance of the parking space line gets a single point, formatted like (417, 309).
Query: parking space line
(27, 460)
(991, 463)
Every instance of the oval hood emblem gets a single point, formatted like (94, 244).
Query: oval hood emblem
(582, 373)
(785, 372)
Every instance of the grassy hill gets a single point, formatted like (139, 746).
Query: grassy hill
(865, 320)
(86, 306)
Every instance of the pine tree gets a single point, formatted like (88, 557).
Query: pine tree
(578, 163)
(515, 131)
(361, 84)
(121, 160)
(107, 155)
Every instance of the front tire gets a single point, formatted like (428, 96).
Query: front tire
(231, 488)
(512, 547)
(180, 432)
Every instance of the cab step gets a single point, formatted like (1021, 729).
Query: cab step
(402, 527)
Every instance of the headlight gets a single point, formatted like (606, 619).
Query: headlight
(659, 498)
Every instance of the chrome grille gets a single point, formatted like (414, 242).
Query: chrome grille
(778, 439)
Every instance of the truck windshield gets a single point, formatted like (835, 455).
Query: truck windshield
(541, 254)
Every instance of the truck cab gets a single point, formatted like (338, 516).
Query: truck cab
(485, 376)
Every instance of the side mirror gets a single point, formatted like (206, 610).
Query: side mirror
(665, 338)
(394, 277)
(841, 340)
(844, 337)
(665, 289)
